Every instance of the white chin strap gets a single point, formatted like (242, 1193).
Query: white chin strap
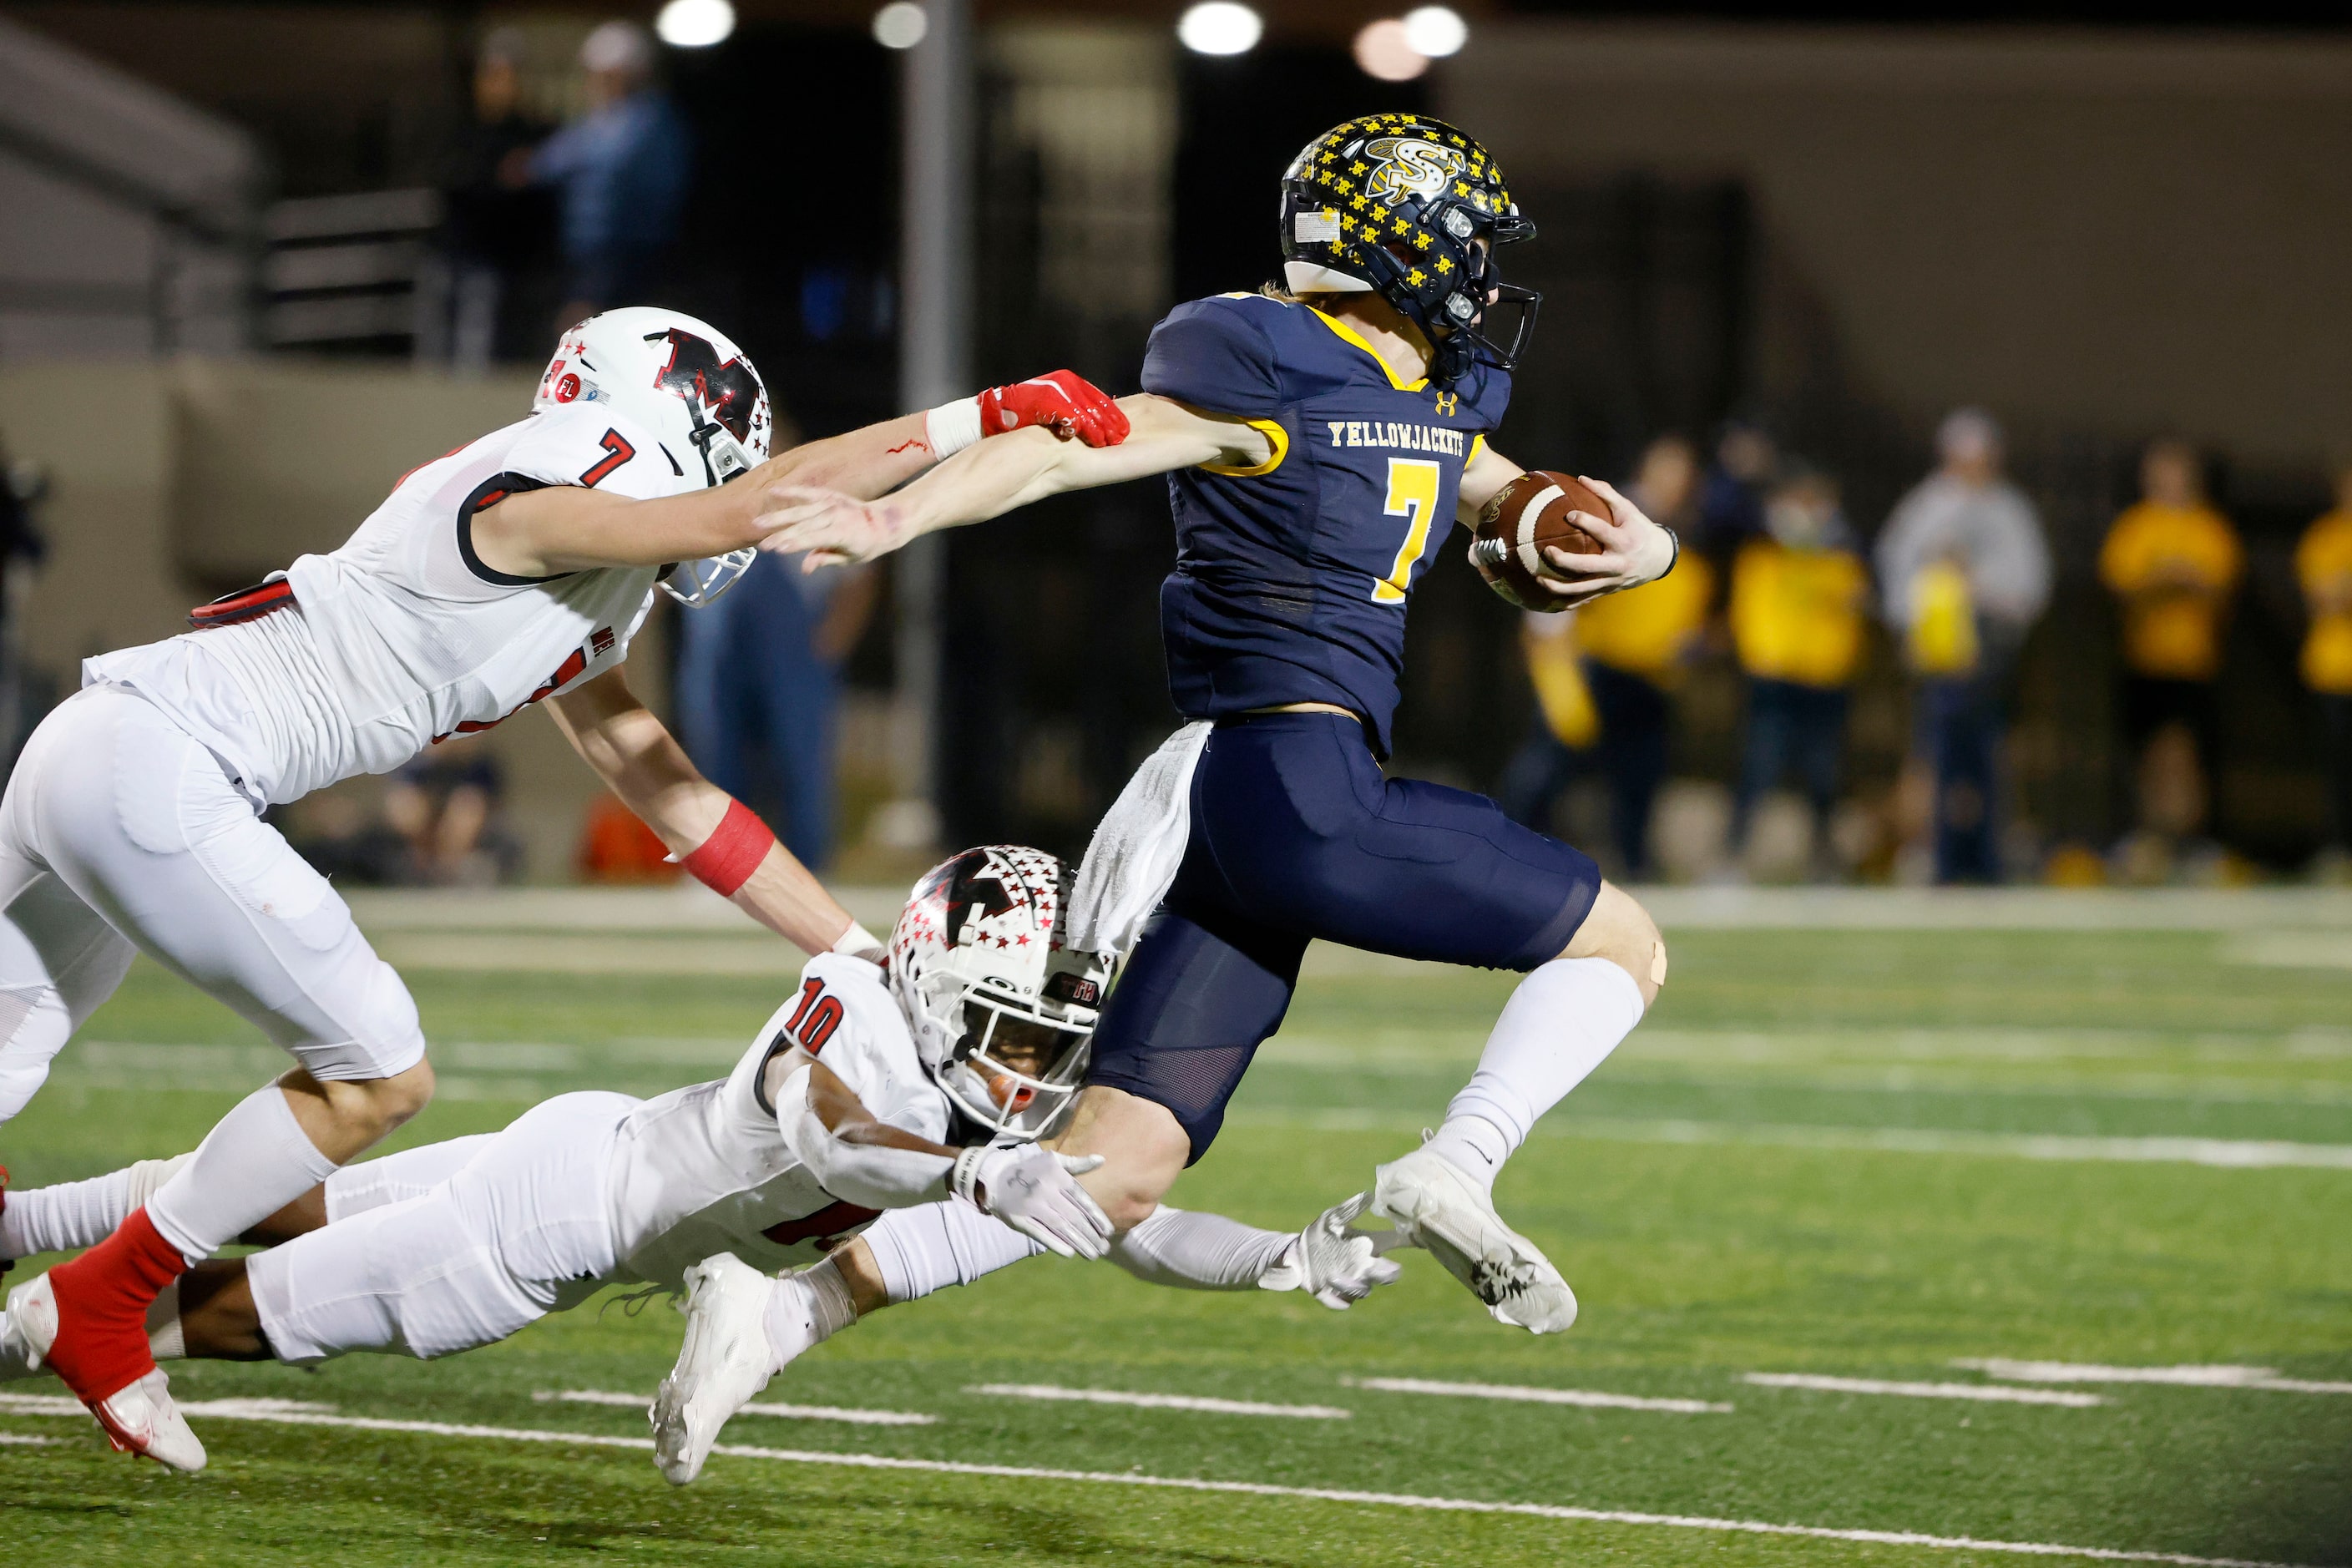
(1309, 277)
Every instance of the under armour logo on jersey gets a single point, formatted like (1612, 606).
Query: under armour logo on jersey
(727, 393)
(1449, 404)
(1409, 168)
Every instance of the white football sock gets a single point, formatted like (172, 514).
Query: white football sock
(933, 1246)
(253, 1164)
(69, 1215)
(1562, 1023)
(808, 1309)
(1199, 1251)
(74, 1214)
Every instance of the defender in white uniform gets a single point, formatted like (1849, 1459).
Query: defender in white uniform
(510, 571)
(865, 1092)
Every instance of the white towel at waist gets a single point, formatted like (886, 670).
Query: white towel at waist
(1138, 847)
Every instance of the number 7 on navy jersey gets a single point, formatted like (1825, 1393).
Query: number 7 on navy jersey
(1412, 493)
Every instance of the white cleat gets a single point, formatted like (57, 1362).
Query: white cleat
(143, 1419)
(138, 1419)
(18, 1359)
(1436, 1205)
(726, 1359)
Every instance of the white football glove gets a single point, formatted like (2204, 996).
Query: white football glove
(1036, 1193)
(1337, 1266)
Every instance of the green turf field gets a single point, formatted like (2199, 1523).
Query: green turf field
(1853, 1154)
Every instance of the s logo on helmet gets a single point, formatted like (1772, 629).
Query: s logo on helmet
(1410, 168)
(728, 392)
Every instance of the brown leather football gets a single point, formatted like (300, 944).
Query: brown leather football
(1515, 527)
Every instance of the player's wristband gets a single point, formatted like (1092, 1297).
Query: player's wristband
(859, 943)
(952, 426)
(1676, 540)
(963, 1178)
(732, 852)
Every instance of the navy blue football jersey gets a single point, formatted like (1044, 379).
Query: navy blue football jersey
(1292, 576)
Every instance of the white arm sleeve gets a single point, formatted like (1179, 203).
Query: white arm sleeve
(919, 1250)
(871, 1175)
(1199, 1251)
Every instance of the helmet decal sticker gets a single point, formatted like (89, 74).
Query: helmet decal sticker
(1409, 168)
(728, 392)
(983, 887)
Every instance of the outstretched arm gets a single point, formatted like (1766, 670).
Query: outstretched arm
(995, 477)
(634, 754)
(865, 1161)
(571, 528)
(913, 1253)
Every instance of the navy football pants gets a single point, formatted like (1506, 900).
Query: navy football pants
(1296, 834)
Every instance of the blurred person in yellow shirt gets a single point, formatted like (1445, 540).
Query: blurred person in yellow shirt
(1604, 676)
(1965, 572)
(1798, 593)
(2174, 562)
(2323, 568)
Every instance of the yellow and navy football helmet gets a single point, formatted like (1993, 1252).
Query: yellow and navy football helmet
(1410, 208)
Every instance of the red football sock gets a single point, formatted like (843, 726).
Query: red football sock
(102, 1300)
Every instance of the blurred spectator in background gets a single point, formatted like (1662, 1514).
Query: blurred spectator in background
(1964, 571)
(622, 171)
(1731, 503)
(758, 682)
(438, 825)
(492, 230)
(25, 694)
(2323, 567)
(444, 805)
(2173, 562)
(1798, 596)
(1629, 649)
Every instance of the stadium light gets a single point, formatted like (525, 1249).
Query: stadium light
(1436, 31)
(900, 24)
(1384, 52)
(1220, 27)
(694, 24)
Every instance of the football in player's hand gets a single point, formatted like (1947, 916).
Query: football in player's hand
(1515, 528)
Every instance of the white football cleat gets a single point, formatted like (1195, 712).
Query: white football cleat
(143, 1419)
(18, 1359)
(1436, 1205)
(140, 1418)
(726, 1359)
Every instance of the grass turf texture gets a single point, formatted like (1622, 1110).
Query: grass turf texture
(1695, 1263)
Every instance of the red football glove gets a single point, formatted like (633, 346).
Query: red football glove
(1063, 402)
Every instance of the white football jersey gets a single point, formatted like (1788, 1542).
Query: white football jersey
(403, 637)
(706, 1169)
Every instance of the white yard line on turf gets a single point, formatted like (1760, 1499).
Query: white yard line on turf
(1993, 1393)
(1159, 1401)
(1583, 1396)
(2179, 1376)
(1263, 1489)
(225, 1409)
(855, 1416)
(2221, 1153)
(25, 1440)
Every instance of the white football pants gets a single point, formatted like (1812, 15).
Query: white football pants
(119, 832)
(514, 1226)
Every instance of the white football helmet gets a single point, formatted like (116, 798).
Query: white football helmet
(691, 387)
(978, 965)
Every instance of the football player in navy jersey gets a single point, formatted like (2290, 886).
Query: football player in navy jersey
(1314, 436)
